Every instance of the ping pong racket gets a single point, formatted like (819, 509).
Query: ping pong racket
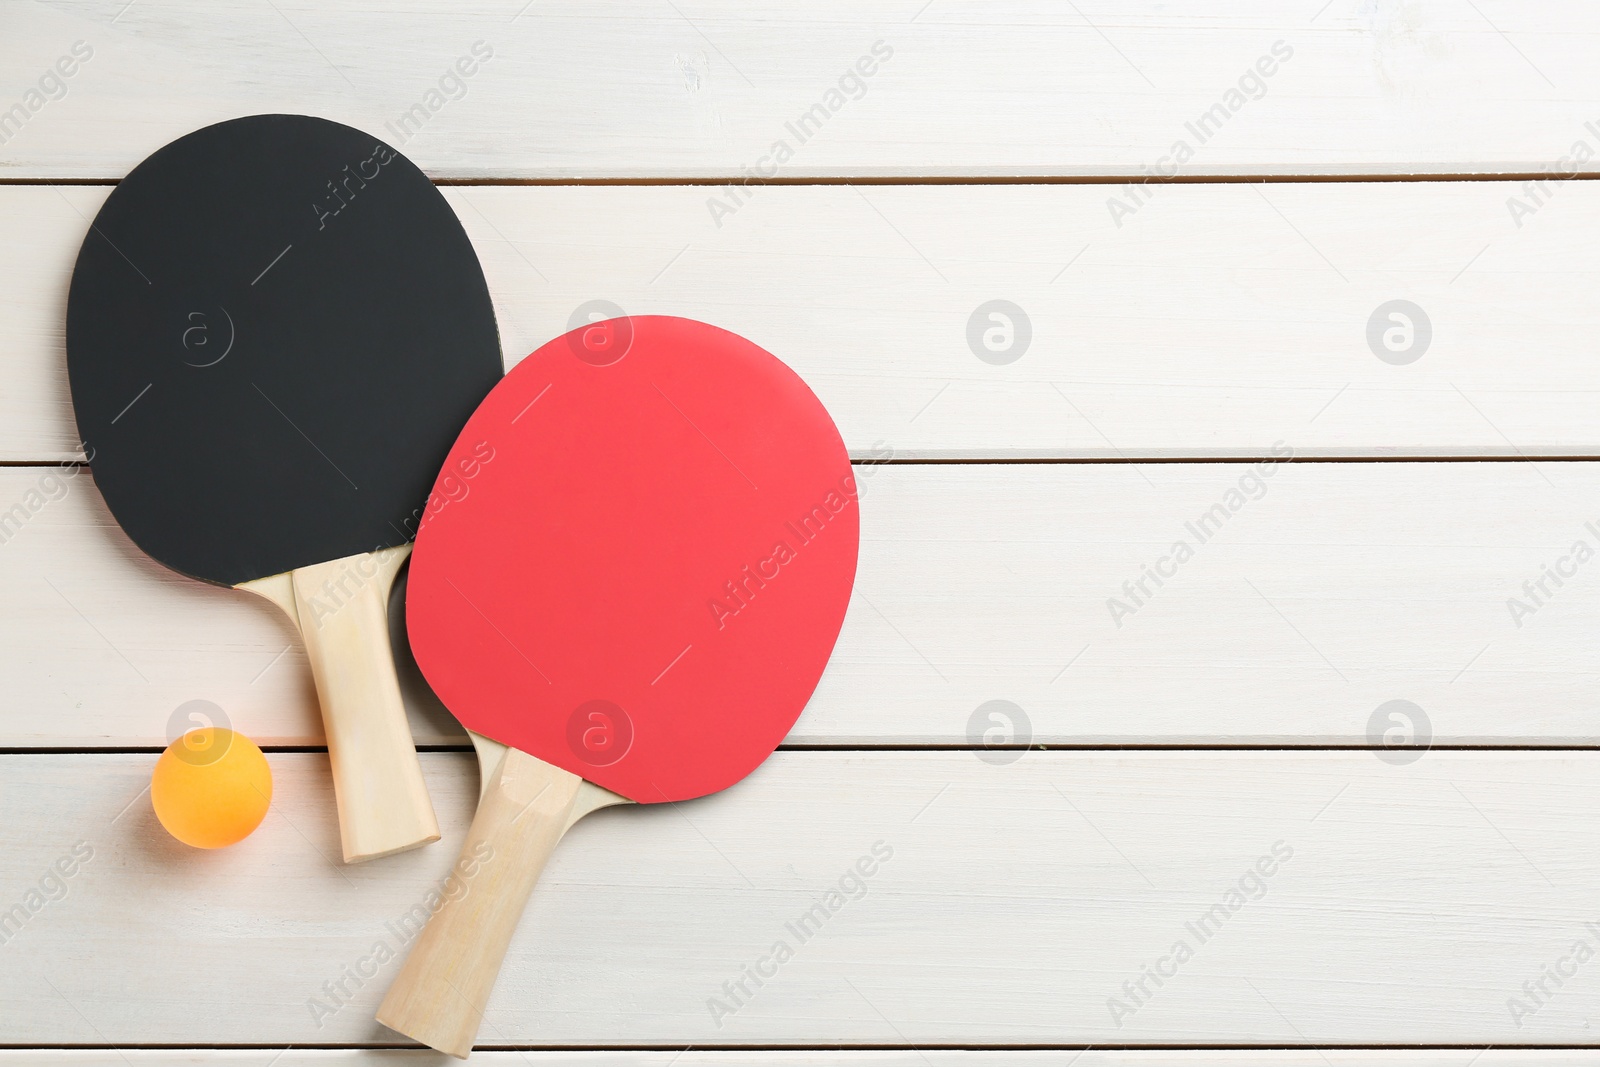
(276, 328)
(631, 601)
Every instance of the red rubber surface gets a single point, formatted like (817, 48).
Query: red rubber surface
(635, 566)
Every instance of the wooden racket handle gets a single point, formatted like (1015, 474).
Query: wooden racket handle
(439, 996)
(342, 611)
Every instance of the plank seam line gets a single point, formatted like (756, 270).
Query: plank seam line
(961, 179)
(892, 747)
(1057, 461)
(832, 1047)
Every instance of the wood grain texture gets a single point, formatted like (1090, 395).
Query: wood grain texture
(1334, 588)
(1215, 321)
(440, 991)
(341, 611)
(978, 904)
(704, 87)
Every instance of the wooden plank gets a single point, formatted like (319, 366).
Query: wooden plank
(1217, 319)
(1331, 590)
(875, 1058)
(1406, 905)
(705, 88)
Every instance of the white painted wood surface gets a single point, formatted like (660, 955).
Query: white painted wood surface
(1215, 321)
(1007, 904)
(1212, 322)
(1339, 587)
(704, 87)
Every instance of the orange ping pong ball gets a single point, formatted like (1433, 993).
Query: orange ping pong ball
(211, 787)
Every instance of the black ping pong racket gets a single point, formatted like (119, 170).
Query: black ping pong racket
(276, 329)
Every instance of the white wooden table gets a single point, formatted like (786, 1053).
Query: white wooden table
(1203, 361)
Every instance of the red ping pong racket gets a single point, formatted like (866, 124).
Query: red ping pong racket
(632, 599)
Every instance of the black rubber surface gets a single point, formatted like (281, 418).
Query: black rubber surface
(275, 331)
